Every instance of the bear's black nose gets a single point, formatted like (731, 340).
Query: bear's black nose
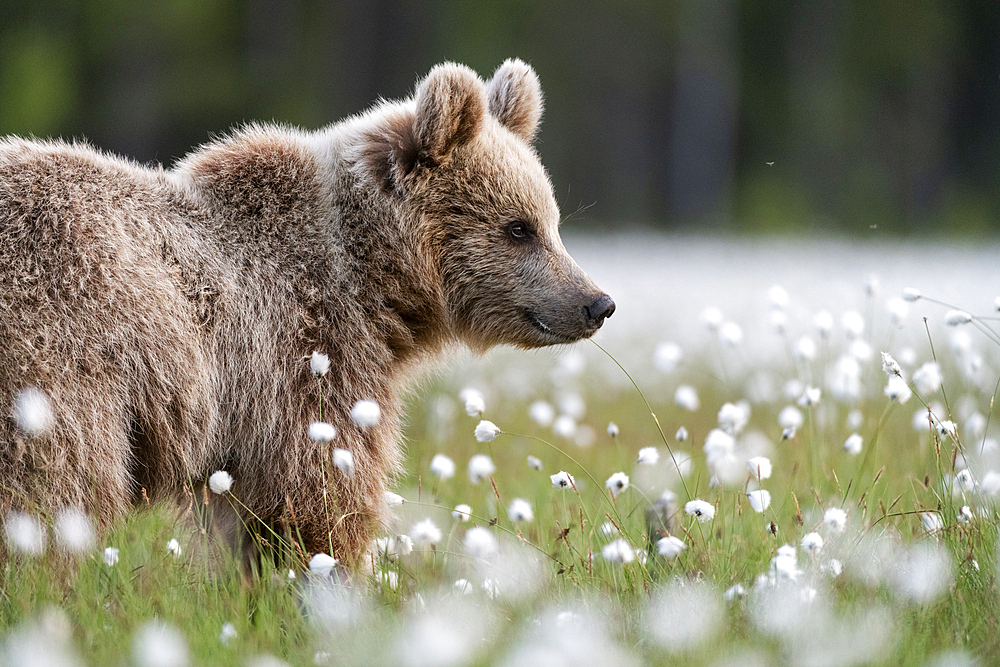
(596, 312)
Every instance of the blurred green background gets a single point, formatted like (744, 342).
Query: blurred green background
(876, 114)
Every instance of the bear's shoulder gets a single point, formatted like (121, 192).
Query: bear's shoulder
(259, 170)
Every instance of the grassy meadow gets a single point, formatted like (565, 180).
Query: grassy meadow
(770, 490)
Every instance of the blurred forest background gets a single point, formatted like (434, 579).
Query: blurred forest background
(875, 113)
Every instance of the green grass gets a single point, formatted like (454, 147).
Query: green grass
(873, 612)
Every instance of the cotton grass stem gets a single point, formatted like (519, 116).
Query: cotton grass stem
(652, 414)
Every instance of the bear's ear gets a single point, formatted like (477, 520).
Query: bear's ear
(515, 98)
(451, 107)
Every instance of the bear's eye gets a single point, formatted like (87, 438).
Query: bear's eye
(518, 230)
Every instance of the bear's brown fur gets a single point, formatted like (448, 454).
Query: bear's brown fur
(169, 315)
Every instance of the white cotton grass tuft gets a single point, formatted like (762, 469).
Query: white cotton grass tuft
(74, 531)
(759, 467)
(462, 513)
(174, 547)
(711, 318)
(823, 321)
(760, 500)
(670, 546)
(731, 334)
(613, 429)
(683, 616)
(564, 426)
(812, 544)
(520, 511)
(836, 519)
(810, 397)
(443, 467)
(322, 564)
(562, 480)
(667, 356)
(618, 551)
(649, 456)
(897, 389)
(322, 432)
(319, 364)
(686, 396)
(534, 462)
(473, 400)
(542, 413)
(33, 412)
(25, 534)
(393, 499)
(220, 482)
(733, 417)
(480, 543)
(853, 444)
(480, 468)
(701, 510)
(486, 431)
(228, 634)
(617, 483)
(344, 460)
(955, 318)
(111, 556)
(924, 572)
(932, 522)
(681, 435)
(425, 534)
(366, 413)
(911, 294)
(157, 644)
(890, 366)
(928, 378)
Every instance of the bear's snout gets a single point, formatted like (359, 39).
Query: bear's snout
(597, 312)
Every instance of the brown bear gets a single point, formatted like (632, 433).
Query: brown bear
(169, 315)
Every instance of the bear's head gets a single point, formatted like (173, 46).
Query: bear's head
(460, 156)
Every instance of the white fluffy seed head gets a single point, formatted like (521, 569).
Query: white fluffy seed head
(686, 396)
(956, 317)
(25, 534)
(74, 531)
(480, 467)
(425, 534)
(475, 404)
(561, 480)
(486, 431)
(319, 364)
(701, 510)
(760, 500)
(443, 467)
(322, 432)
(366, 413)
(220, 482)
(111, 556)
(520, 511)
(462, 512)
(479, 542)
(670, 546)
(157, 644)
(322, 564)
(618, 551)
(649, 456)
(33, 412)
(344, 460)
(617, 483)
(759, 467)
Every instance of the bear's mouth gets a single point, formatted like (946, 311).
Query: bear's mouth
(552, 336)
